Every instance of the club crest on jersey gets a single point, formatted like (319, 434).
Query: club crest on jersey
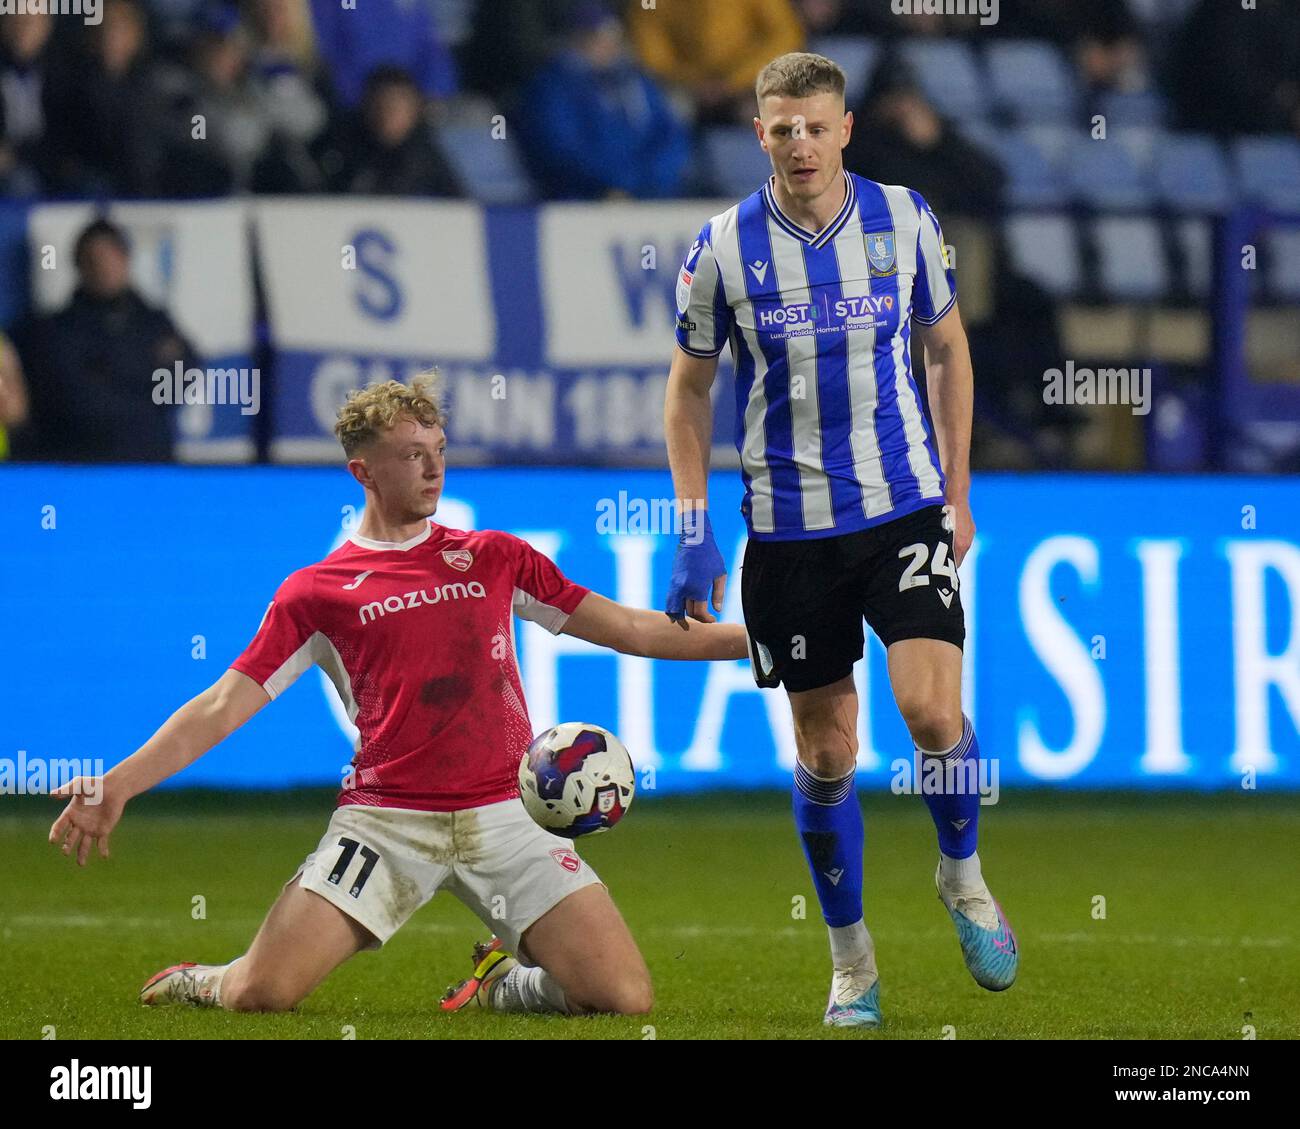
(880, 253)
(459, 559)
(567, 859)
(684, 281)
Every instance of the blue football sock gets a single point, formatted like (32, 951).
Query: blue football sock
(829, 822)
(956, 809)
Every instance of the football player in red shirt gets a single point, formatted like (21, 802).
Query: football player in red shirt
(413, 622)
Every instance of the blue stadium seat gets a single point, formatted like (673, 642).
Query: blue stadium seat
(857, 58)
(736, 163)
(1146, 107)
(1197, 243)
(1103, 174)
(1268, 170)
(489, 167)
(1033, 176)
(1045, 248)
(1191, 174)
(1032, 81)
(1131, 258)
(949, 73)
(1284, 263)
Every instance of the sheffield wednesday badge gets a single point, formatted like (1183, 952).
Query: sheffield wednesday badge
(880, 253)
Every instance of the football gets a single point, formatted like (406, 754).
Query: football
(576, 779)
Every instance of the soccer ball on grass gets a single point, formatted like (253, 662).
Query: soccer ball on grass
(576, 779)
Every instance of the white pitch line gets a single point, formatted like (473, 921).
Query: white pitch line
(686, 932)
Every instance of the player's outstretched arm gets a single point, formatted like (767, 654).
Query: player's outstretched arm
(635, 631)
(95, 804)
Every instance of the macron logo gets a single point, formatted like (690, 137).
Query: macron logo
(760, 270)
(357, 583)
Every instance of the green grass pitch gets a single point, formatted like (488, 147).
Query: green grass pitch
(1200, 936)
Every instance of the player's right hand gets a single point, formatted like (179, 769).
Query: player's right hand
(92, 812)
(698, 571)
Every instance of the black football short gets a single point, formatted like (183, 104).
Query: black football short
(804, 601)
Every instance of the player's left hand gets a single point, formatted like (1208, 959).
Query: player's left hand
(698, 571)
(963, 528)
(93, 810)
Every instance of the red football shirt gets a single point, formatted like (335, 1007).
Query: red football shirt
(418, 638)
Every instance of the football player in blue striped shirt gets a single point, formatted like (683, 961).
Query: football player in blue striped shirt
(855, 508)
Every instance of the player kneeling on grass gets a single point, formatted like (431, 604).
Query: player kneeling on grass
(412, 622)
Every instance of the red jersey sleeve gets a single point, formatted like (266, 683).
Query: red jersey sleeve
(543, 594)
(285, 643)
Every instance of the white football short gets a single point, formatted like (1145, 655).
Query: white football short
(379, 865)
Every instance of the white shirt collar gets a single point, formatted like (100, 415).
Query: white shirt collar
(400, 546)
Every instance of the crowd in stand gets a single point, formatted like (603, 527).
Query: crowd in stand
(181, 99)
(194, 98)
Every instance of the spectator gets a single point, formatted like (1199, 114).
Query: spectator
(390, 150)
(284, 66)
(714, 48)
(396, 33)
(285, 72)
(1102, 35)
(105, 119)
(28, 75)
(511, 41)
(1237, 70)
(13, 394)
(217, 155)
(899, 138)
(90, 365)
(596, 125)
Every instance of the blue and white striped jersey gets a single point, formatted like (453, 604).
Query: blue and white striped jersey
(829, 426)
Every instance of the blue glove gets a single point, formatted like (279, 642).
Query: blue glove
(697, 564)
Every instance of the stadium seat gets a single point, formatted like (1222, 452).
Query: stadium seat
(1191, 174)
(736, 163)
(1284, 264)
(1103, 174)
(1032, 81)
(1146, 107)
(1196, 241)
(1268, 171)
(857, 58)
(1130, 258)
(1033, 177)
(1045, 248)
(949, 73)
(489, 167)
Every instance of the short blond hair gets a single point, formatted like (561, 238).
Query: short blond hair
(797, 75)
(378, 407)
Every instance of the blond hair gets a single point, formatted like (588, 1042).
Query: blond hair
(797, 75)
(379, 406)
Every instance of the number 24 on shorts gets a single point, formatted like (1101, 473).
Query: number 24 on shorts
(940, 565)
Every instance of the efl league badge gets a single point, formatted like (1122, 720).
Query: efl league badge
(880, 253)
